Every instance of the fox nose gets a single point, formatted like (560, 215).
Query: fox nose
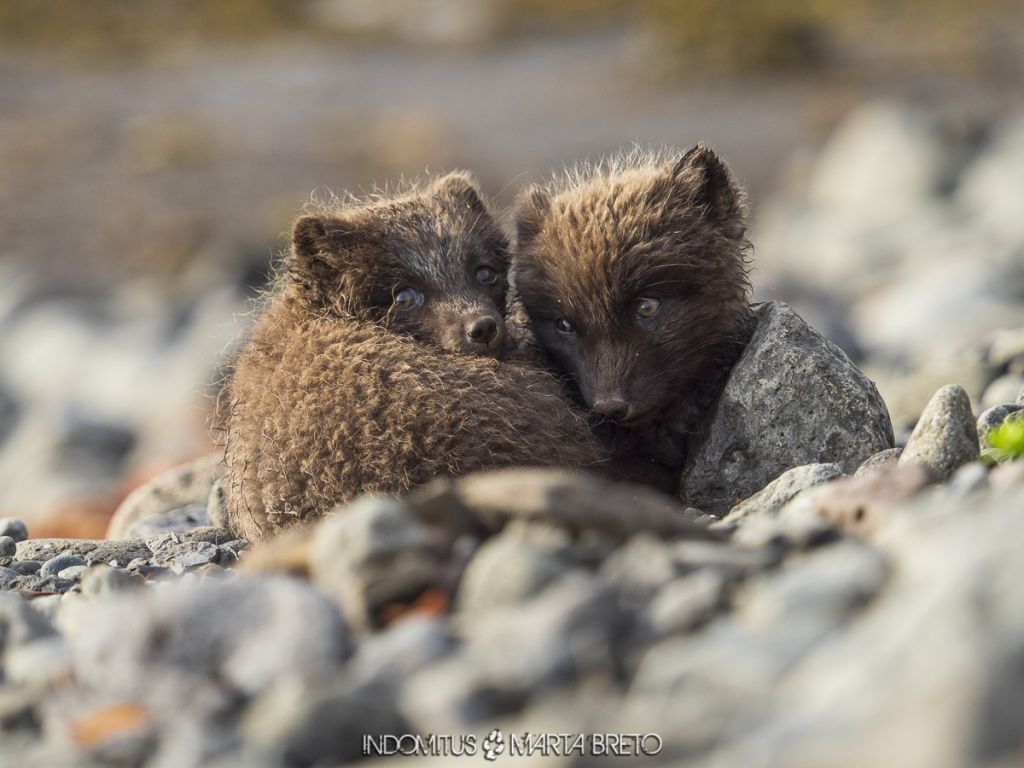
(482, 330)
(614, 408)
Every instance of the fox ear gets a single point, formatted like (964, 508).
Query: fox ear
(532, 207)
(705, 180)
(319, 243)
(462, 187)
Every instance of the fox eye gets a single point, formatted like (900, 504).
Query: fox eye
(647, 307)
(407, 298)
(564, 326)
(486, 276)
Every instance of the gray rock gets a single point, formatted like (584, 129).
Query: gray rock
(180, 487)
(8, 577)
(793, 399)
(1002, 390)
(371, 553)
(176, 520)
(795, 527)
(55, 565)
(318, 722)
(946, 435)
(639, 567)
(91, 550)
(729, 561)
(454, 696)
(187, 554)
(189, 640)
(831, 581)
(879, 460)
(400, 651)
(216, 512)
(101, 580)
(506, 569)
(25, 567)
(993, 417)
(13, 527)
(564, 632)
(20, 623)
(73, 573)
(686, 603)
(777, 493)
(8, 548)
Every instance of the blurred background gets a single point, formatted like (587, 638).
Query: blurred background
(153, 155)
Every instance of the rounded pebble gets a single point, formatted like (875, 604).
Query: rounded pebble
(55, 565)
(13, 527)
(73, 573)
(26, 567)
(8, 546)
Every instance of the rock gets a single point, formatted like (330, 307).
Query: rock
(639, 567)
(55, 565)
(187, 554)
(454, 696)
(879, 146)
(486, 501)
(564, 632)
(970, 478)
(506, 569)
(777, 493)
(177, 520)
(318, 722)
(879, 460)
(184, 486)
(25, 567)
(401, 650)
(8, 577)
(8, 547)
(831, 581)
(946, 436)
(860, 504)
(732, 563)
(370, 553)
(994, 417)
(185, 641)
(20, 624)
(792, 399)
(102, 580)
(1003, 390)
(91, 550)
(73, 573)
(38, 664)
(685, 603)
(796, 527)
(216, 512)
(14, 528)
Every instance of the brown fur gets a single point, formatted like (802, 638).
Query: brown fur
(338, 393)
(591, 245)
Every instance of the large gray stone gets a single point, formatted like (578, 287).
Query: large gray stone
(777, 493)
(182, 486)
(794, 398)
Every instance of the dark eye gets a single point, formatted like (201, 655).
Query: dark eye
(407, 298)
(564, 326)
(486, 276)
(647, 307)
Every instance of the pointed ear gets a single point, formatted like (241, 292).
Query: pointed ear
(532, 207)
(705, 180)
(319, 242)
(461, 187)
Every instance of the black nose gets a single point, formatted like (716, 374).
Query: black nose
(614, 408)
(482, 330)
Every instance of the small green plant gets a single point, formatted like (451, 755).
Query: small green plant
(1005, 442)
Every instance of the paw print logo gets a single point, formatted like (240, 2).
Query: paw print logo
(493, 745)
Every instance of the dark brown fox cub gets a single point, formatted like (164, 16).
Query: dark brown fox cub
(633, 275)
(348, 383)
